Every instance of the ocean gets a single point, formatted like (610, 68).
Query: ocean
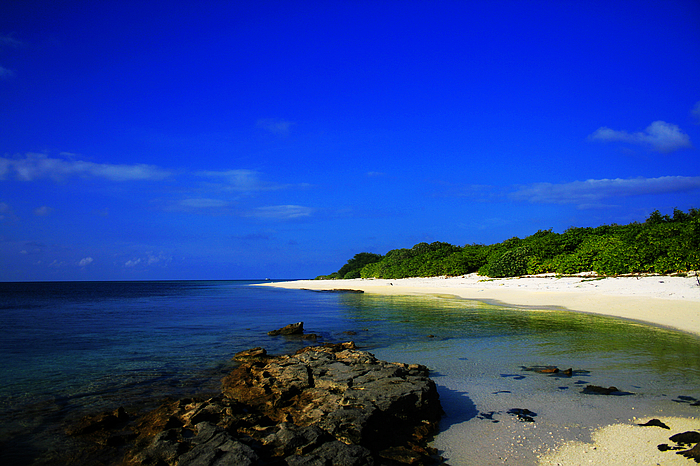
(76, 348)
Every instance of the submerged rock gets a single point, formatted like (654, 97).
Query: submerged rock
(596, 390)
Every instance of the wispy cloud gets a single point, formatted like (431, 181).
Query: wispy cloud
(5, 210)
(39, 166)
(5, 73)
(591, 192)
(244, 181)
(282, 212)
(203, 203)
(239, 180)
(8, 42)
(660, 136)
(42, 211)
(275, 125)
(695, 112)
(85, 261)
(149, 259)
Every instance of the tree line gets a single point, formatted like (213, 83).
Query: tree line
(662, 244)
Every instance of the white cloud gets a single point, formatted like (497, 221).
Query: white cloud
(282, 212)
(85, 261)
(42, 211)
(588, 193)
(695, 112)
(661, 136)
(38, 166)
(132, 263)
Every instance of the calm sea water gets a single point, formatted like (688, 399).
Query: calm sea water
(72, 348)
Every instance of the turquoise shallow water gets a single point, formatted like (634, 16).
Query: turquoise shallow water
(73, 348)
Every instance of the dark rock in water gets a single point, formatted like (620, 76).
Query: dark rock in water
(655, 423)
(291, 329)
(688, 438)
(688, 399)
(488, 416)
(99, 422)
(693, 453)
(596, 390)
(330, 404)
(553, 370)
(523, 414)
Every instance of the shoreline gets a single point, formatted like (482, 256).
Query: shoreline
(666, 301)
(571, 429)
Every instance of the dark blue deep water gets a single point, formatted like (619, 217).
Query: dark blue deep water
(74, 348)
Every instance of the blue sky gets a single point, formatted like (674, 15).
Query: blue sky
(253, 139)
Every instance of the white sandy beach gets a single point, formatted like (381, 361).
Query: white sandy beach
(601, 431)
(672, 302)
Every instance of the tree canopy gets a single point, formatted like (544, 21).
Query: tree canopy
(662, 244)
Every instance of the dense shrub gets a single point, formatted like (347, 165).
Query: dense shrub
(661, 244)
(511, 264)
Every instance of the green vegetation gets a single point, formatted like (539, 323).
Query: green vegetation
(662, 244)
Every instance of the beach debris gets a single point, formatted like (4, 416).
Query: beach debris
(655, 423)
(291, 329)
(524, 415)
(596, 390)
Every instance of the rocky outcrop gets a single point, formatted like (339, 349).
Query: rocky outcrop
(291, 329)
(324, 405)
